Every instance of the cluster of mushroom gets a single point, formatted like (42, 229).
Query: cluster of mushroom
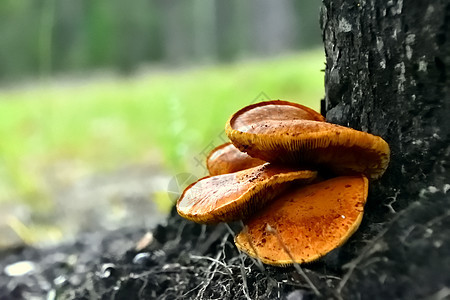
(268, 177)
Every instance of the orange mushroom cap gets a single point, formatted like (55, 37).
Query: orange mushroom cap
(274, 138)
(306, 223)
(227, 158)
(230, 197)
(274, 110)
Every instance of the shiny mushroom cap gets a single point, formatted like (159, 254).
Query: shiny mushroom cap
(230, 197)
(274, 138)
(228, 159)
(275, 110)
(305, 223)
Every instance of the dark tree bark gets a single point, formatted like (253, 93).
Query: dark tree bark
(388, 73)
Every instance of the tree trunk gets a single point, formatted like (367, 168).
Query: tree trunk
(388, 73)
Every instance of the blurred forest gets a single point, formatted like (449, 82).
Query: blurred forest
(43, 37)
(108, 108)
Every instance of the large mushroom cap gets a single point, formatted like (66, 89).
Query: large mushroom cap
(306, 223)
(274, 138)
(276, 110)
(227, 158)
(230, 197)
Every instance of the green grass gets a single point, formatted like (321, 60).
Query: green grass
(169, 117)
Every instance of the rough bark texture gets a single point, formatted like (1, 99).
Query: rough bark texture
(388, 73)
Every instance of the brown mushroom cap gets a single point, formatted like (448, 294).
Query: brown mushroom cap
(228, 159)
(306, 223)
(276, 110)
(230, 197)
(307, 143)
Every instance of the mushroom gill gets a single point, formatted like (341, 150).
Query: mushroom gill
(305, 223)
(272, 137)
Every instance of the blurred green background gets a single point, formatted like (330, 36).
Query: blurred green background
(104, 102)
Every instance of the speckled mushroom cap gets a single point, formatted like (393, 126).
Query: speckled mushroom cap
(276, 138)
(276, 110)
(305, 223)
(227, 158)
(234, 196)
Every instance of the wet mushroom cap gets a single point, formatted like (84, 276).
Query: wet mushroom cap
(227, 158)
(234, 196)
(308, 143)
(276, 110)
(305, 223)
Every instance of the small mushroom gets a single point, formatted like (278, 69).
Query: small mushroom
(262, 132)
(234, 196)
(305, 223)
(228, 159)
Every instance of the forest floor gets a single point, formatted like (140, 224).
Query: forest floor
(176, 260)
(179, 259)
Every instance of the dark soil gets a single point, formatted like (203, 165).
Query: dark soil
(184, 260)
